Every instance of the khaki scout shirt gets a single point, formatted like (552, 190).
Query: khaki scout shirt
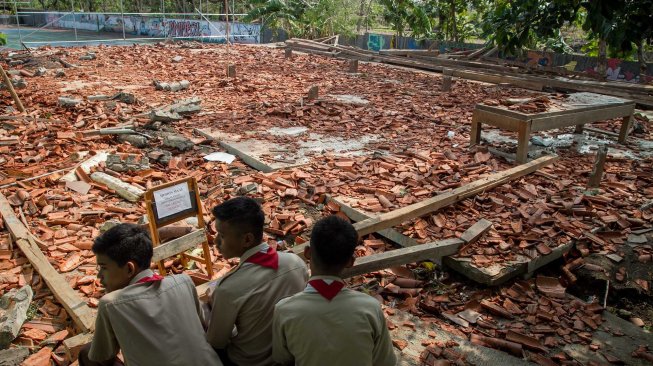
(245, 298)
(309, 330)
(153, 323)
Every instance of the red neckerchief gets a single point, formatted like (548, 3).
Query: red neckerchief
(269, 259)
(326, 290)
(153, 278)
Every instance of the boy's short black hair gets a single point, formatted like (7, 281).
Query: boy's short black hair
(333, 241)
(125, 242)
(243, 212)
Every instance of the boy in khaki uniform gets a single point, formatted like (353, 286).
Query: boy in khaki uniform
(328, 324)
(242, 303)
(153, 320)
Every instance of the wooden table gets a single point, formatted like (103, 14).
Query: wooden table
(576, 110)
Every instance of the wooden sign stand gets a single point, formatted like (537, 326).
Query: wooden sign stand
(170, 203)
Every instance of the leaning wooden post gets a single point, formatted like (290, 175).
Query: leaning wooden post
(597, 171)
(353, 66)
(313, 92)
(231, 71)
(447, 79)
(10, 87)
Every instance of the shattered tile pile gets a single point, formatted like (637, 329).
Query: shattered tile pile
(99, 133)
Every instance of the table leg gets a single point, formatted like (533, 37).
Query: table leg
(523, 139)
(475, 135)
(625, 126)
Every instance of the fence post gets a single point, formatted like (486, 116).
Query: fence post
(122, 15)
(72, 4)
(20, 36)
(163, 19)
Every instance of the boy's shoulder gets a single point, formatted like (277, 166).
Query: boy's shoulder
(355, 300)
(291, 260)
(135, 291)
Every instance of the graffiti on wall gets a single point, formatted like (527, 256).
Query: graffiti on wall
(538, 58)
(616, 69)
(158, 27)
(375, 42)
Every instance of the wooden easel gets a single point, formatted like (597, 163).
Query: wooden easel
(187, 204)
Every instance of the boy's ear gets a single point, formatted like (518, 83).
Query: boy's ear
(307, 252)
(350, 262)
(248, 240)
(132, 268)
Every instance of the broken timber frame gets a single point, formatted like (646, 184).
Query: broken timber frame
(478, 71)
(417, 253)
(435, 203)
(76, 308)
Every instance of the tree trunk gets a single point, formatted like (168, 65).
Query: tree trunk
(442, 19)
(642, 62)
(454, 28)
(367, 14)
(602, 59)
(359, 22)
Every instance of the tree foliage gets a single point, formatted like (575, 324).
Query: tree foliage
(516, 24)
(304, 18)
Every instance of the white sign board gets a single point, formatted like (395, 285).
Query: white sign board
(172, 200)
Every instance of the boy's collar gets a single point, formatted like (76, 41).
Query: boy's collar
(325, 277)
(142, 274)
(263, 247)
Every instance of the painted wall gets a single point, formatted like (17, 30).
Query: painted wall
(617, 69)
(157, 27)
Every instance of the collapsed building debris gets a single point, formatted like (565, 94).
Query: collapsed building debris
(407, 144)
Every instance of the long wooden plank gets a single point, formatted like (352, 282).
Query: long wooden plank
(398, 216)
(12, 91)
(77, 308)
(572, 118)
(176, 246)
(497, 120)
(402, 256)
(358, 215)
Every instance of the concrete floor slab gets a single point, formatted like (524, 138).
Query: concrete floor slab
(267, 156)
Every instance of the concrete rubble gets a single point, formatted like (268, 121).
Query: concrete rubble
(13, 313)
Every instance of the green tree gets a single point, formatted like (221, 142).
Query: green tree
(517, 24)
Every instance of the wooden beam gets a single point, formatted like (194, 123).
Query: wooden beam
(179, 245)
(476, 231)
(432, 204)
(12, 91)
(402, 256)
(73, 345)
(76, 308)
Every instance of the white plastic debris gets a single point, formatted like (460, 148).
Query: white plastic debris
(220, 156)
